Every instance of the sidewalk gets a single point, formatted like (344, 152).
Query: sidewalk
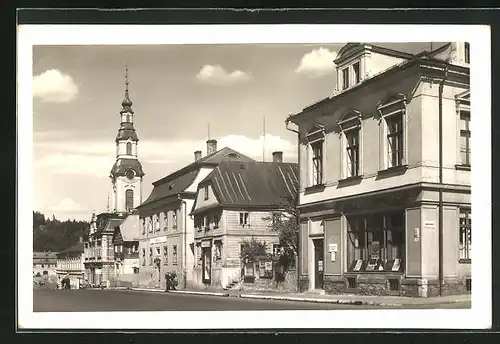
(394, 301)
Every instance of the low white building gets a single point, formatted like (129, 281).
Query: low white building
(70, 264)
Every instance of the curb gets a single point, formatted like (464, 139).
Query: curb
(199, 293)
(296, 299)
(334, 301)
(148, 289)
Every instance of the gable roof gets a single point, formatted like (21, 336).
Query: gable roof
(254, 184)
(129, 229)
(178, 181)
(71, 251)
(44, 257)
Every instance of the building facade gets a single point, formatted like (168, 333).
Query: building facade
(167, 230)
(385, 175)
(126, 252)
(125, 195)
(44, 264)
(70, 264)
(236, 204)
(99, 257)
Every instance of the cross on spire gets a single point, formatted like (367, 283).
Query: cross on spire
(127, 103)
(126, 77)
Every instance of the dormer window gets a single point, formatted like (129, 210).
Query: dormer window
(351, 75)
(467, 52)
(345, 78)
(356, 77)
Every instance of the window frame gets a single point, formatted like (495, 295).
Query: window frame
(464, 252)
(462, 101)
(394, 107)
(205, 190)
(346, 82)
(128, 148)
(165, 254)
(129, 198)
(245, 218)
(351, 122)
(174, 254)
(467, 52)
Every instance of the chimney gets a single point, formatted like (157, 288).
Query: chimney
(197, 155)
(211, 146)
(277, 156)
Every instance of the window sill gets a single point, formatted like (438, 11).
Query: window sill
(462, 167)
(464, 261)
(315, 188)
(350, 181)
(395, 170)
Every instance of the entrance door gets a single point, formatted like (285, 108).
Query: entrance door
(207, 264)
(318, 263)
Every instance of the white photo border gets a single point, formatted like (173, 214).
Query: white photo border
(477, 317)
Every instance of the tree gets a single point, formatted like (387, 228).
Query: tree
(252, 249)
(285, 221)
(54, 235)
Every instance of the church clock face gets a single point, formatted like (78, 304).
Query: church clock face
(130, 174)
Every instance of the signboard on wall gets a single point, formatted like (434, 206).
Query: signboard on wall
(429, 224)
(416, 234)
(206, 243)
(332, 247)
(158, 240)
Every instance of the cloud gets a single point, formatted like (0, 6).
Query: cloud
(68, 205)
(52, 86)
(76, 164)
(252, 147)
(317, 62)
(95, 158)
(217, 75)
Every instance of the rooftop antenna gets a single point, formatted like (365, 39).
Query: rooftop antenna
(264, 139)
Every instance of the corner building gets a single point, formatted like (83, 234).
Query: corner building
(385, 209)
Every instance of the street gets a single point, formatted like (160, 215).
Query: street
(50, 300)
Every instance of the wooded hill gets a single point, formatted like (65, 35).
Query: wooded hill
(50, 234)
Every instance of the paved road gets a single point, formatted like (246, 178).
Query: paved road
(50, 300)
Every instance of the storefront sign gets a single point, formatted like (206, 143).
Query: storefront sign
(429, 224)
(320, 265)
(332, 247)
(416, 234)
(359, 264)
(158, 240)
(375, 250)
(206, 243)
(396, 265)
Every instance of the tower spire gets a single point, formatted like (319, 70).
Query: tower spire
(126, 103)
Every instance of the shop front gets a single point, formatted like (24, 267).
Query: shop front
(387, 245)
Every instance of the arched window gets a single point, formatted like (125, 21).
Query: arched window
(129, 199)
(129, 148)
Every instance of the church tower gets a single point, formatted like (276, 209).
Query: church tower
(126, 174)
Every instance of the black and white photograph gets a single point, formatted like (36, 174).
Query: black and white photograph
(197, 177)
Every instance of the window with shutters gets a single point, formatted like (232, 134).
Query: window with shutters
(350, 136)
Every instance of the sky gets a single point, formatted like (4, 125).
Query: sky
(177, 92)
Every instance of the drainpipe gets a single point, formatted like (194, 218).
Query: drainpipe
(184, 262)
(297, 260)
(441, 274)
